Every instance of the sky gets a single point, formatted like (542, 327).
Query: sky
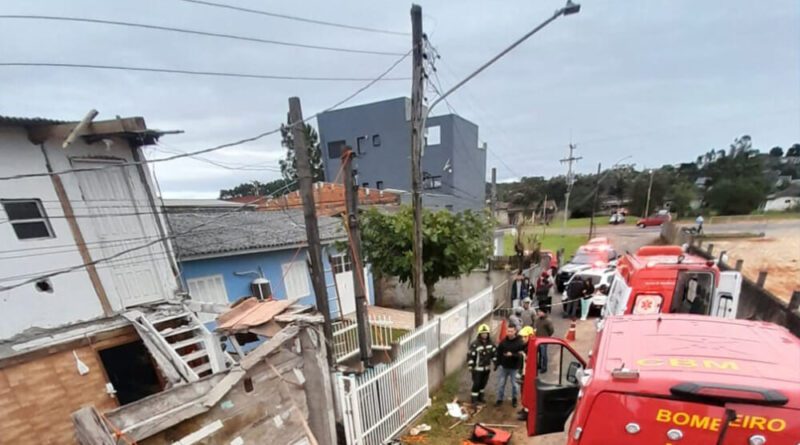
(655, 82)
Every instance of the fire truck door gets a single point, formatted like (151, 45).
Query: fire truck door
(550, 390)
(726, 296)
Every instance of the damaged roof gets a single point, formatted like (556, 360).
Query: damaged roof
(244, 231)
(29, 121)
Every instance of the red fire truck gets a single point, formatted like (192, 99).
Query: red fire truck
(665, 279)
(668, 379)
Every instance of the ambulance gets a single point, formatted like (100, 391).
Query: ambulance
(665, 279)
(668, 379)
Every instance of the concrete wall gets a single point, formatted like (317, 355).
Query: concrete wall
(453, 290)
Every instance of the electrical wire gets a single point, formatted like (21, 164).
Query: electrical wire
(192, 72)
(217, 147)
(298, 19)
(199, 33)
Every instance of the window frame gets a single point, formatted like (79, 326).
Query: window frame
(195, 282)
(43, 218)
(289, 268)
(340, 263)
(379, 185)
(341, 144)
(376, 140)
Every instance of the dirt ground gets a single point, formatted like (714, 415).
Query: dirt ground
(778, 254)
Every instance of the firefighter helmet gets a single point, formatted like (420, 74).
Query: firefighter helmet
(527, 331)
(483, 329)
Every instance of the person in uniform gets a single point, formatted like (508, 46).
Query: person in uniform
(479, 361)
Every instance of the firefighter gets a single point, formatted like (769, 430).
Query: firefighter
(507, 362)
(479, 360)
(525, 333)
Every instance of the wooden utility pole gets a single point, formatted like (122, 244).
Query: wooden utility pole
(569, 160)
(594, 202)
(306, 182)
(356, 260)
(417, 91)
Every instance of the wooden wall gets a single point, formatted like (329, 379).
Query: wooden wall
(38, 397)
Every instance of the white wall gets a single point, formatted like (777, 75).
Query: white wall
(73, 296)
(144, 274)
(782, 204)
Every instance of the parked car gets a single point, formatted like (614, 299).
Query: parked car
(592, 255)
(654, 220)
(616, 218)
(601, 278)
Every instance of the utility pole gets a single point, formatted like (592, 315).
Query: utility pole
(493, 199)
(594, 202)
(417, 128)
(544, 217)
(569, 160)
(649, 189)
(312, 228)
(356, 260)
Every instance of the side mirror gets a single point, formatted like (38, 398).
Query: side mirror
(572, 372)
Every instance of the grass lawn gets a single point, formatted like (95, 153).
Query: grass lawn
(769, 216)
(436, 415)
(508, 245)
(577, 223)
(570, 243)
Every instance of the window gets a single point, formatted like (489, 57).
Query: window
(28, 219)
(693, 293)
(434, 136)
(365, 185)
(341, 263)
(557, 366)
(361, 144)
(207, 290)
(295, 278)
(376, 140)
(335, 149)
(431, 182)
(379, 185)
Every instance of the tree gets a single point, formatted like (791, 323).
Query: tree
(453, 244)
(776, 152)
(681, 194)
(735, 195)
(794, 150)
(639, 192)
(289, 164)
(741, 146)
(255, 188)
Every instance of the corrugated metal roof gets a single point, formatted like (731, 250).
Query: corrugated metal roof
(244, 231)
(29, 121)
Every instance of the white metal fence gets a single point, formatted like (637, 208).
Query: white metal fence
(439, 332)
(345, 336)
(379, 403)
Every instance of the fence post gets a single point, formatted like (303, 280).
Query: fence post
(794, 303)
(699, 243)
(469, 314)
(739, 265)
(710, 249)
(722, 256)
(762, 278)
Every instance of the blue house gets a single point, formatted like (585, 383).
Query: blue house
(220, 260)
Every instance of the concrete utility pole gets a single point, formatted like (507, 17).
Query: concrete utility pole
(306, 182)
(649, 189)
(594, 202)
(417, 128)
(356, 260)
(493, 198)
(569, 160)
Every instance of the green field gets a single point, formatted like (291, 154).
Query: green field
(570, 243)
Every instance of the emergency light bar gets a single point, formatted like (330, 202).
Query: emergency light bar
(730, 393)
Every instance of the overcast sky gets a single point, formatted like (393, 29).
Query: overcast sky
(660, 81)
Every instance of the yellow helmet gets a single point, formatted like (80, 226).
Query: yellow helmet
(484, 329)
(527, 331)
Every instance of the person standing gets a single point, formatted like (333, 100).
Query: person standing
(525, 334)
(479, 361)
(516, 291)
(586, 300)
(508, 360)
(699, 221)
(544, 287)
(544, 328)
(528, 315)
(574, 295)
(515, 319)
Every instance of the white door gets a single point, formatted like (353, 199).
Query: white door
(726, 296)
(618, 296)
(345, 287)
(115, 216)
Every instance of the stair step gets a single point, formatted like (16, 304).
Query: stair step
(169, 332)
(187, 342)
(202, 368)
(169, 317)
(194, 355)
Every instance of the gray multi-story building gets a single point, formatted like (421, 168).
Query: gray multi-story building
(453, 165)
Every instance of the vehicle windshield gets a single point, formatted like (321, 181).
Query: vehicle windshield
(589, 257)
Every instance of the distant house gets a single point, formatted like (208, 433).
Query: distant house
(220, 263)
(787, 199)
(702, 182)
(501, 213)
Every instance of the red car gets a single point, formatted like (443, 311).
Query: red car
(654, 220)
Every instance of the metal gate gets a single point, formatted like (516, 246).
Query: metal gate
(378, 404)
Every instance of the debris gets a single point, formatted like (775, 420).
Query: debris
(421, 428)
(455, 410)
(495, 425)
(455, 424)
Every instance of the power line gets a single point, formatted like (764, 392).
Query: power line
(193, 73)
(217, 147)
(199, 33)
(298, 19)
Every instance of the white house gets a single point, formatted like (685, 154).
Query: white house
(52, 223)
(784, 200)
